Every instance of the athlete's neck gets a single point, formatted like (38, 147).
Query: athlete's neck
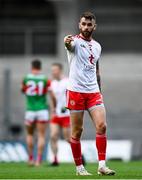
(59, 77)
(86, 39)
(35, 71)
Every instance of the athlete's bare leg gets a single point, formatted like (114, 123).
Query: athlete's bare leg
(98, 116)
(76, 132)
(41, 135)
(29, 140)
(76, 123)
(66, 133)
(54, 134)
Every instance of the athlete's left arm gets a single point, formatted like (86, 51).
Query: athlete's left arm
(23, 86)
(52, 98)
(98, 75)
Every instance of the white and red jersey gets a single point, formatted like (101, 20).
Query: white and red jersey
(59, 88)
(82, 60)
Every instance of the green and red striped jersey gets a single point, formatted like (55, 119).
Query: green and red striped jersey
(35, 88)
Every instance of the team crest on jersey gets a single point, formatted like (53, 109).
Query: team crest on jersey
(72, 102)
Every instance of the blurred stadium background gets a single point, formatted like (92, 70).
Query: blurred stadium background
(36, 28)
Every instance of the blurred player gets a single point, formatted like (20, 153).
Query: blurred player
(35, 86)
(61, 116)
(84, 92)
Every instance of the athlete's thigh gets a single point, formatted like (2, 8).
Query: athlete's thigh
(98, 115)
(41, 128)
(30, 128)
(54, 130)
(76, 118)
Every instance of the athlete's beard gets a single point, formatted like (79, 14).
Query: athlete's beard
(86, 34)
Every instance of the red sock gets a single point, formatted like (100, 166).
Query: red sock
(55, 159)
(39, 158)
(31, 157)
(101, 143)
(76, 150)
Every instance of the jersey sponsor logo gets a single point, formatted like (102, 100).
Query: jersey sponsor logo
(82, 45)
(89, 67)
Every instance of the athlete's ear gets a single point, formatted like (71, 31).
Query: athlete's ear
(95, 26)
(79, 25)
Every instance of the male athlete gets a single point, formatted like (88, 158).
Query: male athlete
(35, 86)
(84, 92)
(60, 116)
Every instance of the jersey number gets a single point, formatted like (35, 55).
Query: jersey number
(35, 88)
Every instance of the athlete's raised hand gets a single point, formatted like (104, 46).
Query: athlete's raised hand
(67, 40)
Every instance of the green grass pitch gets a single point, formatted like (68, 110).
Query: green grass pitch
(131, 170)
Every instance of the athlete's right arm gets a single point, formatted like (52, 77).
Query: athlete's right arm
(68, 40)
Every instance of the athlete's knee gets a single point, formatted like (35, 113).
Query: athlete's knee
(77, 132)
(101, 127)
(41, 141)
(41, 136)
(29, 139)
(53, 137)
(67, 137)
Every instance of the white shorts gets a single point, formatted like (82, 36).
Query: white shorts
(41, 116)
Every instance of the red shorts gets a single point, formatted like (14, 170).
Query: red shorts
(83, 101)
(61, 121)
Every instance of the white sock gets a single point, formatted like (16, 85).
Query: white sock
(78, 168)
(102, 163)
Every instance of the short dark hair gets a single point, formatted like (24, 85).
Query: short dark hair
(88, 15)
(59, 65)
(36, 64)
